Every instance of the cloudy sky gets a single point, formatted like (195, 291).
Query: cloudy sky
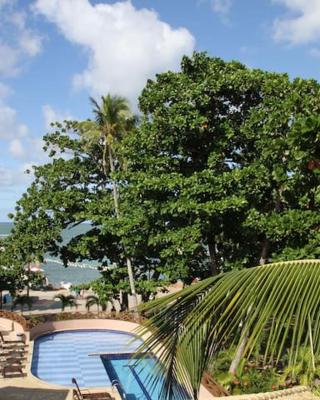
(54, 54)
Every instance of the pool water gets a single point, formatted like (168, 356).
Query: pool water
(96, 358)
(136, 376)
(60, 356)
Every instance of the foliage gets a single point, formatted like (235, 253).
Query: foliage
(12, 275)
(99, 302)
(221, 173)
(253, 378)
(66, 301)
(219, 170)
(81, 286)
(276, 312)
(303, 372)
(35, 279)
(256, 381)
(71, 189)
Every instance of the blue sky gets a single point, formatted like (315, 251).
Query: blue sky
(54, 54)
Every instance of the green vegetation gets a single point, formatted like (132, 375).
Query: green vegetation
(66, 301)
(99, 302)
(269, 311)
(113, 121)
(220, 173)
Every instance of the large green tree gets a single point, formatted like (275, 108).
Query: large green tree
(73, 188)
(223, 170)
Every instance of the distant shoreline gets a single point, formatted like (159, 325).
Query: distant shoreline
(76, 273)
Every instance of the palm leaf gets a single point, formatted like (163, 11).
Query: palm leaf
(66, 300)
(278, 302)
(92, 301)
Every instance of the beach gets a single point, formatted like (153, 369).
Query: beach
(53, 268)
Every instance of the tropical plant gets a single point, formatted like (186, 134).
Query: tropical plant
(305, 369)
(114, 120)
(66, 301)
(22, 300)
(277, 303)
(256, 381)
(99, 302)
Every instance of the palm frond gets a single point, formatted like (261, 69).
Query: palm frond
(66, 300)
(113, 115)
(92, 301)
(278, 302)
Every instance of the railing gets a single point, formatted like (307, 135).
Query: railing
(116, 384)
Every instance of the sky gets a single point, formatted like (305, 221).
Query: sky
(54, 54)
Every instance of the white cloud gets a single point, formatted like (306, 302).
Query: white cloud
(301, 24)
(29, 42)
(10, 128)
(52, 115)
(4, 91)
(9, 58)
(221, 7)
(124, 45)
(16, 148)
(17, 40)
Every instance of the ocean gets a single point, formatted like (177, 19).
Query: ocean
(75, 273)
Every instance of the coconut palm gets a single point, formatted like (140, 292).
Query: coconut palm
(22, 300)
(98, 301)
(66, 301)
(113, 120)
(275, 303)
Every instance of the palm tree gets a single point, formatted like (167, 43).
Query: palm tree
(99, 302)
(66, 301)
(113, 119)
(22, 300)
(275, 305)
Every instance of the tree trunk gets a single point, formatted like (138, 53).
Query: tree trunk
(128, 259)
(28, 282)
(237, 358)
(264, 252)
(213, 256)
(124, 302)
(104, 156)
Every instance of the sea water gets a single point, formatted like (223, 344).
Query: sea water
(75, 273)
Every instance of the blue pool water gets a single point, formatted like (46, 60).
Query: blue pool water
(136, 376)
(59, 357)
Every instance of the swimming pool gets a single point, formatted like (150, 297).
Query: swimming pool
(96, 358)
(60, 356)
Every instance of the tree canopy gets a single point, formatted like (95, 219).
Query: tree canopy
(224, 164)
(221, 173)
